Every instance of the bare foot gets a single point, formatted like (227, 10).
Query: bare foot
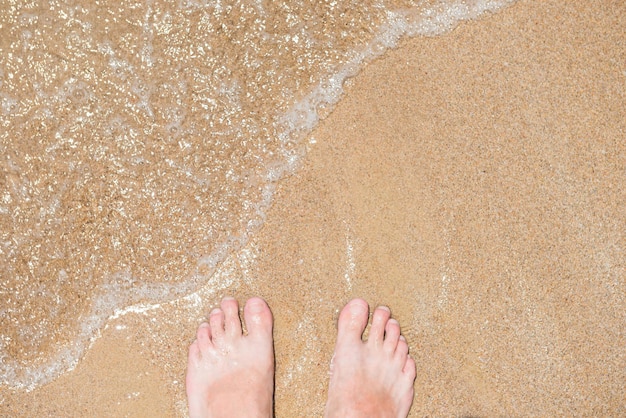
(372, 378)
(229, 374)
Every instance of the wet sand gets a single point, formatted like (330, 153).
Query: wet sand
(473, 182)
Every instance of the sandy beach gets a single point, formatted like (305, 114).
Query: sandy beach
(473, 182)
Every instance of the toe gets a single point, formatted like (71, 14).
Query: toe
(216, 321)
(392, 334)
(194, 353)
(232, 323)
(258, 317)
(402, 351)
(379, 323)
(409, 370)
(352, 320)
(203, 336)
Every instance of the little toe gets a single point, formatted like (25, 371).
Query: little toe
(194, 352)
(352, 321)
(203, 336)
(379, 323)
(409, 370)
(232, 323)
(392, 335)
(402, 351)
(216, 321)
(258, 317)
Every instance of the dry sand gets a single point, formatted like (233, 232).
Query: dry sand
(474, 182)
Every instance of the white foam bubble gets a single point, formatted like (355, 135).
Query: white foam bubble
(8, 104)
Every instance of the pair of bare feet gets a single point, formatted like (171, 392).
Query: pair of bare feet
(230, 374)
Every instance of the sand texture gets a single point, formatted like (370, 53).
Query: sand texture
(476, 184)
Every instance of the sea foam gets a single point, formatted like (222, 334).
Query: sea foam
(175, 123)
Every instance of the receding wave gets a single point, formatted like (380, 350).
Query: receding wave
(141, 142)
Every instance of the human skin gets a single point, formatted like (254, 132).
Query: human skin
(230, 374)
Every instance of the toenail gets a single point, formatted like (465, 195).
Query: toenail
(384, 308)
(357, 308)
(256, 306)
(215, 311)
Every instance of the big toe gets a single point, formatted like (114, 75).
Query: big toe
(352, 320)
(258, 317)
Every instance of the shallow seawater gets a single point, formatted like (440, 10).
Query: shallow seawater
(140, 144)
